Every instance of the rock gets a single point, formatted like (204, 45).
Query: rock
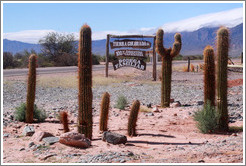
(175, 104)
(50, 140)
(149, 114)
(114, 138)
(155, 109)
(28, 130)
(171, 100)
(75, 139)
(44, 157)
(149, 105)
(201, 161)
(200, 103)
(31, 144)
(21, 149)
(5, 135)
(175, 114)
(38, 136)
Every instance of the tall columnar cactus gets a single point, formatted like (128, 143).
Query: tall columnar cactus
(104, 112)
(167, 57)
(209, 75)
(221, 81)
(85, 82)
(64, 121)
(31, 88)
(132, 122)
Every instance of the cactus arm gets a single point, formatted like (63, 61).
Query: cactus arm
(176, 45)
(159, 43)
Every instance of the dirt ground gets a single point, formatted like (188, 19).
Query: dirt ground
(170, 136)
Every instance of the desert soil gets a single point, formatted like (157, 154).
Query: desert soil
(167, 136)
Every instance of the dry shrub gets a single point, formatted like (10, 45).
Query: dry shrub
(201, 66)
(192, 68)
(185, 69)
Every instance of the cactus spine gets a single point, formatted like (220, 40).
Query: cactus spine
(31, 88)
(209, 75)
(221, 82)
(167, 57)
(64, 120)
(132, 122)
(85, 82)
(104, 112)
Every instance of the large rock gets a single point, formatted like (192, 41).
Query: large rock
(75, 139)
(114, 138)
(38, 136)
(50, 140)
(28, 130)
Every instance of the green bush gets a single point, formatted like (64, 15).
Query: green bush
(121, 102)
(207, 119)
(20, 113)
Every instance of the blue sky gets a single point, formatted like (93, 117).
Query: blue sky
(69, 17)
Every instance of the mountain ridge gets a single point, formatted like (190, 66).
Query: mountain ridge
(193, 42)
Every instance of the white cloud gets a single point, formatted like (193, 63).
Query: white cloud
(228, 18)
(28, 36)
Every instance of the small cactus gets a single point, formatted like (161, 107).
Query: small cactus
(85, 82)
(221, 81)
(132, 122)
(209, 75)
(31, 88)
(167, 57)
(104, 112)
(64, 121)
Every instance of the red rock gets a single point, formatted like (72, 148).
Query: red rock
(38, 136)
(171, 100)
(155, 109)
(75, 139)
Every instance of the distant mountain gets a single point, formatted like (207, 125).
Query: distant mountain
(17, 46)
(193, 43)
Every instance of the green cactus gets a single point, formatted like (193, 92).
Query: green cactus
(209, 75)
(104, 112)
(221, 81)
(167, 57)
(31, 88)
(132, 122)
(85, 82)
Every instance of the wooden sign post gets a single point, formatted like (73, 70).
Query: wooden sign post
(131, 57)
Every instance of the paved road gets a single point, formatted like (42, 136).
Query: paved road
(50, 70)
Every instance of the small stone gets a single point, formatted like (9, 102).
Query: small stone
(175, 104)
(171, 100)
(21, 149)
(149, 114)
(155, 109)
(28, 130)
(201, 161)
(114, 138)
(5, 135)
(50, 140)
(122, 160)
(234, 134)
(224, 140)
(38, 136)
(200, 103)
(130, 154)
(31, 144)
(175, 114)
(75, 139)
(46, 156)
(149, 105)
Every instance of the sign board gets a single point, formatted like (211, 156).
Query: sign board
(126, 62)
(130, 43)
(130, 53)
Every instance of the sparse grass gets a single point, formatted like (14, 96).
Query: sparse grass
(20, 113)
(207, 119)
(71, 81)
(144, 109)
(235, 129)
(121, 102)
